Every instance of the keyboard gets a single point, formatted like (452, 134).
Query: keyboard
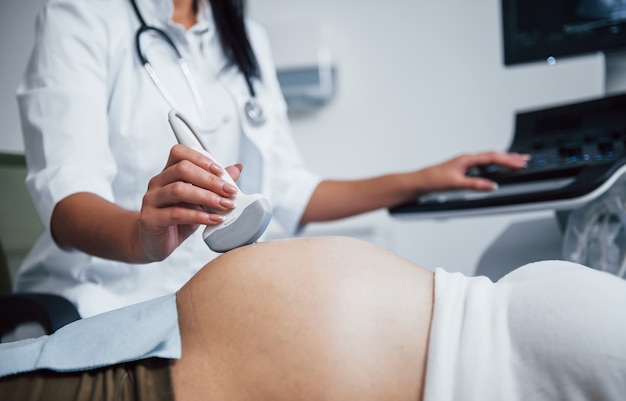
(558, 162)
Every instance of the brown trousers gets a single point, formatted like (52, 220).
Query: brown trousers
(145, 380)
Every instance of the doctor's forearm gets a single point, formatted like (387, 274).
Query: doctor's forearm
(333, 199)
(338, 199)
(91, 224)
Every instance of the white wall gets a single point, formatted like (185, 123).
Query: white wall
(418, 82)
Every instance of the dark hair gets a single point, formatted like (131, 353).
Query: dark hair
(231, 30)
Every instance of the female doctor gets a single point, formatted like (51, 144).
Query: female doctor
(120, 200)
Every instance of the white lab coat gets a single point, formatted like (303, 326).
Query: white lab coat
(93, 121)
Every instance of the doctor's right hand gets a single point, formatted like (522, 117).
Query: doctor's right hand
(186, 194)
(173, 207)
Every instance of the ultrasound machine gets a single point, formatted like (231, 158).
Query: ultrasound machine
(578, 149)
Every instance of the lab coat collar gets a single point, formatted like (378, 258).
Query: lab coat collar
(205, 17)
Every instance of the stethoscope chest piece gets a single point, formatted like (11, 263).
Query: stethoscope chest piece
(254, 113)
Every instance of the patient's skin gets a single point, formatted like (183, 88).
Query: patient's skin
(318, 319)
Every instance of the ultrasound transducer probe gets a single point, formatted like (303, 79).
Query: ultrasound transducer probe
(243, 224)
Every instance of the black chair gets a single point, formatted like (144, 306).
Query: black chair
(19, 229)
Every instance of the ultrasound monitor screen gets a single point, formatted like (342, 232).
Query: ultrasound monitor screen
(535, 30)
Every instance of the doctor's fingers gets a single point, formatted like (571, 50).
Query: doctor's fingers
(188, 172)
(512, 160)
(179, 192)
(477, 184)
(180, 153)
(178, 215)
(234, 171)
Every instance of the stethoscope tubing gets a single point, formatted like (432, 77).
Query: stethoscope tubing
(252, 109)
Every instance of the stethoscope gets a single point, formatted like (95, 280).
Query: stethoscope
(252, 109)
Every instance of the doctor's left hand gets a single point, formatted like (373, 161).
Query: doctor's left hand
(451, 174)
